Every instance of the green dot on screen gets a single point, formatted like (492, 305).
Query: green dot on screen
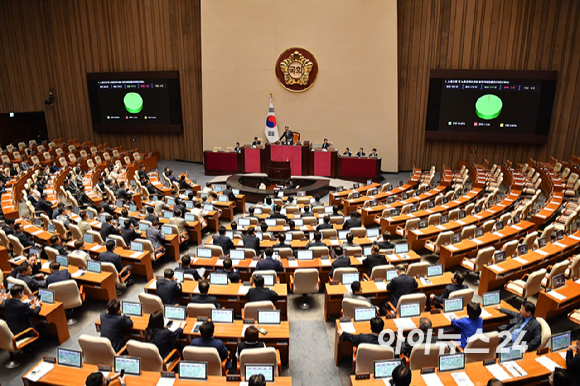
(133, 102)
(488, 106)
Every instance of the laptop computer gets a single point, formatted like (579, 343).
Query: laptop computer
(362, 314)
(131, 308)
(222, 315)
(269, 317)
(451, 362)
(491, 298)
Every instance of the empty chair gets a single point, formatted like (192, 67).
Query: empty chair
(426, 355)
(67, 292)
(530, 239)
(305, 281)
(410, 298)
(442, 239)
(150, 357)
(454, 215)
(216, 250)
(366, 354)
(97, 350)
(557, 269)
(434, 219)
(120, 277)
(348, 306)
(14, 343)
(267, 355)
(51, 253)
(466, 294)
(210, 355)
(486, 343)
(250, 310)
(528, 286)
(510, 248)
(379, 272)
(484, 256)
(488, 226)
(151, 303)
(416, 269)
(573, 271)
(468, 232)
(409, 226)
(196, 310)
(319, 251)
(17, 246)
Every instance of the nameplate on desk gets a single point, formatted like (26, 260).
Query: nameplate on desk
(362, 376)
(543, 351)
(49, 359)
(333, 282)
(489, 362)
(345, 320)
(106, 368)
(201, 319)
(234, 378)
(391, 316)
(427, 370)
(249, 321)
(435, 311)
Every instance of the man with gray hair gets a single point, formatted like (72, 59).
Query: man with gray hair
(424, 325)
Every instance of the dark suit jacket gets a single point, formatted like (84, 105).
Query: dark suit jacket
(32, 283)
(129, 235)
(122, 194)
(399, 286)
(230, 194)
(111, 257)
(269, 264)
(163, 339)
(259, 294)
(340, 262)
(324, 226)
(448, 290)
(190, 271)
(288, 136)
(113, 327)
(151, 218)
(315, 244)
(385, 245)
(107, 229)
(44, 206)
(351, 223)
(406, 347)
(573, 367)
(373, 260)
(24, 240)
(57, 276)
(282, 245)
(251, 242)
(233, 275)
(532, 330)
(9, 231)
(279, 215)
(18, 315)
(224, 242)
(357, 339)
(168, 291)
(205, 299)
(212, 342)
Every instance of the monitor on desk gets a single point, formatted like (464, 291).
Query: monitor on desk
(355, 194)
(339, 189)
(222, 198)
(373, 232)
(266, 370)
(259, 235)
(384, 368)
(342, 234)
(179, 276)
(62, 260)
(119, 204)
(46, 296)
(236, 192)
(237, 254)
(391, 274)
(304, 255)
(218, 188)
(427, 189)
(208, 207)
(94, 266)
(218, 278)
(561, 341)
(189, 217)
(422, 224)
(477, 209)
(559, 235)
(542, 242)
(510, 353)
(196, 371)
(517, 219)
(282, 211)
(499, 225)
(363, 314)
(132, 208)
(394, 212)
(222, 315)
(33, 252)
(131, 365)
(431, 204)
(404, 196)
(456, 238)
(154, 198)
(271, 222)
(369, 182)
(444, 219)
(478, 232)
(451, 362)
(328, 209)
(414, 208)
(409, 310)
(492, 298)
(189, 204)
(499, 257)
(90, 214)
(143, 227)
(461, 214)
(167, 230)
(558, 281)
(136, 247)
(132, 308)
(258, 211)
(289, 236)
(175, 313)
(269, 279)
(167, 214)
(390, 199)
(453, 305)
(349, 278)
(244, 222)
(522, 249)
(38, 222)
(401, 248)
(356, 185)
(68, 357)
(111, 239)
(51, 229)
(445, 200)
(298, 222)
(269, 317)
(434, 270)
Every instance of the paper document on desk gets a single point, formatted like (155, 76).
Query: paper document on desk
(153, 285)
(462, 379)
(495, 268)
(452, 248)
(174, 326)
(39, 371)
(543, 253)
(563, 354)
(28, 226)
(78, 273)
(324, 263)
(304, 228)
(477, 241)
(357, 260)
(347, 327)
(425, 281)
(514, 369)
(418, 232)
(405, 324)
(294, 263)
(440, 227)
(520, 260)
(95, 248)
(559, 245)
(219, 263)
(37, 232)
(498, 234)
(235, 263)
(334, 243)
(548, 363)
(432, 379)
(243, 290)
(498, 372)
(485, 314)
(381, 286)
(574, 237)
(460, 222)
(450, 316)
(253, 263)
(135, 255)
(46, 265)
(516, 227)
(557, 295)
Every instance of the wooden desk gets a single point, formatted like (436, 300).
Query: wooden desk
(358, 169)
(72, 376)
(228, 295)
(549, 306)
(4, 264)
(335, 198)
(354, 204)
(490, 323)
(549, 211)
(333, 294)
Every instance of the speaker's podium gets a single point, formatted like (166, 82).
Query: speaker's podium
(279, 170)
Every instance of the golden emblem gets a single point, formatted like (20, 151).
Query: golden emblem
(296, 69)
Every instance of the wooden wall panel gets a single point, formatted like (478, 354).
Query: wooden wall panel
(53, 44)
(486, 34)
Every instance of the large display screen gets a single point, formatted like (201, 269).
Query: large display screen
(135, 101)
(490, 105)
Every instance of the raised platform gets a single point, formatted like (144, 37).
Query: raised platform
(248, 185)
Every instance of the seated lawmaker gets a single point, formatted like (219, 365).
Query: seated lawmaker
(526, 324)
(115, 325)
(360, 153)
(374, 153)
(268, 263)
(256, 142)
(128, 233)
(374, 259)
(17, 313)
(399, 286)
(187, 269)
(155, 235)
(424, 325)
(19, 234)
(223, 241)
(350, 241)
(233, 274)
(341, 260)
(353, 222)
(325, 225)
(386, 243)
(277, 213)
(151, 215)
(56, 274)
(325, 144)
(207, 340)
(306, 211)
(347, 153)
(377, 325)
(250, 340)
(251, 240)
(287, 137)
(33, 282)
(281, 241)
(107, 228)
(54, 244)
(456, 285)
(356, 293)
(316, 242)
(159, 335)
(111, 257)
(203, 297)
(470, 325)
(259, 293)
(168, 289)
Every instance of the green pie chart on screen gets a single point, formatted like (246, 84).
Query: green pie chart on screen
(133, 102)
(488, 106)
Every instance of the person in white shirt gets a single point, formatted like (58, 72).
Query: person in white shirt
(197, 210)
(207, 188)
(78, 245)
(34, 192)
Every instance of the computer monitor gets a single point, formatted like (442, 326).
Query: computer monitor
(258, 211)
(561, 341)
(461, 214)
(339, 189)
(167, 214)
(510, 353)
(434, 270)
(298, 222)
(404, 196)
(62, 260)
(66, 357)
(409, 310)
(342, 234)
(356, 185)
(131, 365)
(373, 232)
(269, 280)
(542, 242)
(558, 281)
(367, 251)
(136, 247)
(445, 200)
(222, 198)
(179, 276)
(93, 266)
(349, 278)
(479, 232)
(369, 182)
(362, 314)
(390, 199)
(237, 254)
(522, 249)
(414, 208)
(444, 219)
(289, 236)
(51, 229)
(222, 315)
(143, 227)
(119, 203)
(401, 248)
(355, 194)
(451, 362)
(271, 222)
(132, 208)
(76, 210)
(218, 188)
(208, 207)
(204, 253)
(46, 296)
(154, 198)
(517, 219)
(328, 210)
(193, 370)
(218, 278)
(189, 217)
(170, 201)
(456, 238)
(175, 313)
(304, 255)
(422, 224)
(559, 235)
(384, 368)
(492, 298)
(38, 222)
(477, 208)
(391, 274)
(131, 308)
(453, 305)
(91, 215)
(266, 370)
(103, 218)
(189, 204)
(431, 204)
(236, 192)
(259, 235)
(167, 230)
(269, 317)
(499, 257)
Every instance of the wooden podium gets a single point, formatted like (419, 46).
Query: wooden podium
(279, 170)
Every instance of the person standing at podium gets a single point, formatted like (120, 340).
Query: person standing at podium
(288, 136)
(325, 145)
(256, 142)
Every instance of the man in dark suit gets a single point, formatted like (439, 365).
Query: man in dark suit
(317, 241)
(54, 244)
(259, 293)
(142, 173)
(229, 193)
(456, 285)
(111, 257)
(223, 241)
(277, 213)
(325, 144)
(377, 325)
(186, 269)
(347, 153)
(125, 214)
(203, 297)
(124, 194)
(256, 142)
(17, 313)
(24, 240)
(353, 221)
(251, 241)
(44, 206)
(307, 212)
(526, 323)
(151, 215)
(33, 282)
(8, 227)
(281, 243)
(386, 243)
(167, 288)
(207, 340)
(108, 229)
(269, 263)
(128, 233)
(56, 274)
(233, 274)
(342, 261)
(374, 259)
(106, 206)
(360, 153)
(287, 136)
(325, 225)
(114, 325)
(171, 177)
(424, 325)
(57, 211)
(399, 286)
(573, 362)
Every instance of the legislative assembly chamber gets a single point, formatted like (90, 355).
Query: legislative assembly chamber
(323, 192)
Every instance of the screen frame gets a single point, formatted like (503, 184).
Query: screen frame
(58, 350)
(126, 357)
(196, 363)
